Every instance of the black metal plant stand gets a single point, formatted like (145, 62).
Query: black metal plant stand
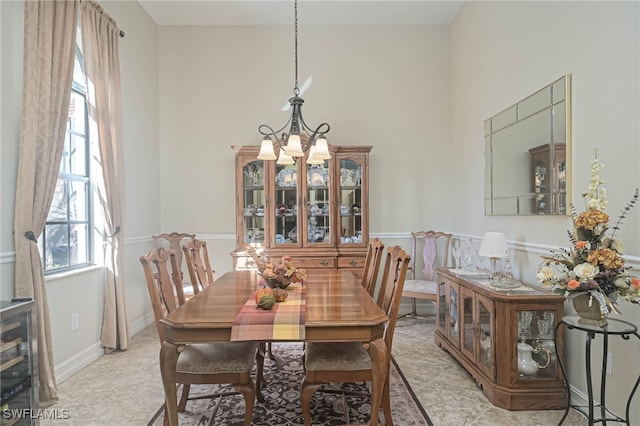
(614, 327)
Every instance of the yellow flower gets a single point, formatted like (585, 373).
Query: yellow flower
(605, 257)
(591, 218)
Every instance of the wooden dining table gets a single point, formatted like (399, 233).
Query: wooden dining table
(337, 309)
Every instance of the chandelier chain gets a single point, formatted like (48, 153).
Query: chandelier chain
(296, 91)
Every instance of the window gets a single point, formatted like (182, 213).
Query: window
(66, 241)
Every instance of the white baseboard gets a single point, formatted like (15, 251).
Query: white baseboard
(69, 367)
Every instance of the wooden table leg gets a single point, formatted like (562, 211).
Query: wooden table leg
(168, 361)
(380, 368)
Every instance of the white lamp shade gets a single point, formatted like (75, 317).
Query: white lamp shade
(322, 149)
(284, 159)
(494, 245)
(313, 156)
(294, 147)
(266, 150)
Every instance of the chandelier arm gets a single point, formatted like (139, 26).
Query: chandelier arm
(266, 130)
(320, 130)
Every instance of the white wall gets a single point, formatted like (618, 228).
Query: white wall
(380, 86)
(419, 95)
(82, 293)
(504, 51)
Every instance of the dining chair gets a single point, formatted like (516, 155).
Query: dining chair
(375, 249)
(201, 363)
(196, 257)
(173, 240)
(347, 362)
(420, 283)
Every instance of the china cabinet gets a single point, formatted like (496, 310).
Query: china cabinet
(549, 178)
(503, 338)
(315, 213)
(18, 364)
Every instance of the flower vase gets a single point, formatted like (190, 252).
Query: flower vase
(588, 309)
(278, 282)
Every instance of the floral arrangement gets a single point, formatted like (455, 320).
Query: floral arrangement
(283, 272)
(593, 264)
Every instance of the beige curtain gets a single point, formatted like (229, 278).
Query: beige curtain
(49, 51)
(100, 37)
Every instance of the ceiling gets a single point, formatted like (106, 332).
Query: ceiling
(310, 12)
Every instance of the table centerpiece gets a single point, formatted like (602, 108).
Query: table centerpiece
(280, 274)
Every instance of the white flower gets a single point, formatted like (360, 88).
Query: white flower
(617, 246)
(621, 282)
(596, 197)
(585, 270)
(544, 274)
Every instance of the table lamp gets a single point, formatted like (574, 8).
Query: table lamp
(494, 246)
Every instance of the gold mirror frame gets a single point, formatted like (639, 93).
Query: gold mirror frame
(528, 153)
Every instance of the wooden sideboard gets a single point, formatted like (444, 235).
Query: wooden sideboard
(482, 327)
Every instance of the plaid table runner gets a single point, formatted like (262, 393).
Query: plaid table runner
(284, 322)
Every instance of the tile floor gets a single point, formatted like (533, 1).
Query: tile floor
(124, 388)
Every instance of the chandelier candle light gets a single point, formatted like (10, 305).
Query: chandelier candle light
(301, 137)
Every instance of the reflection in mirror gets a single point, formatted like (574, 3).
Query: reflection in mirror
(527, 154)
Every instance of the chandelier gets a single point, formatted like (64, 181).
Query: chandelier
(300, 137)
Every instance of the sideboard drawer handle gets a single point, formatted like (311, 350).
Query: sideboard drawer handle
(324, 262)
(353, 262)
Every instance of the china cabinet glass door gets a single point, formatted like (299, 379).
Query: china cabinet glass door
(318, 204)
(253, 213)
(350, 201)
(286, 203)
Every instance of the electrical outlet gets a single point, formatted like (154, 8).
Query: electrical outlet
(75, 322)
(609, 363)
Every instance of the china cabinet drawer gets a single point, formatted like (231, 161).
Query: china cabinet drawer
(351, 262)
(314, 262)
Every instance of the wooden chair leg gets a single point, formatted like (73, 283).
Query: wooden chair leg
(259, 374)
(184, 398)
(165, 420)
(413, 306)
(248, 391)
(306, 392)
(386, 404)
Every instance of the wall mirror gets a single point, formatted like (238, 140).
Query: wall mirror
(528, 152)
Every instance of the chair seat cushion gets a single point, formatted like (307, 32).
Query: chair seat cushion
(206, 358)
(341, 356)
(421, 286)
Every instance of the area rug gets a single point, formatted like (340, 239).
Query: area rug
(282, 399)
